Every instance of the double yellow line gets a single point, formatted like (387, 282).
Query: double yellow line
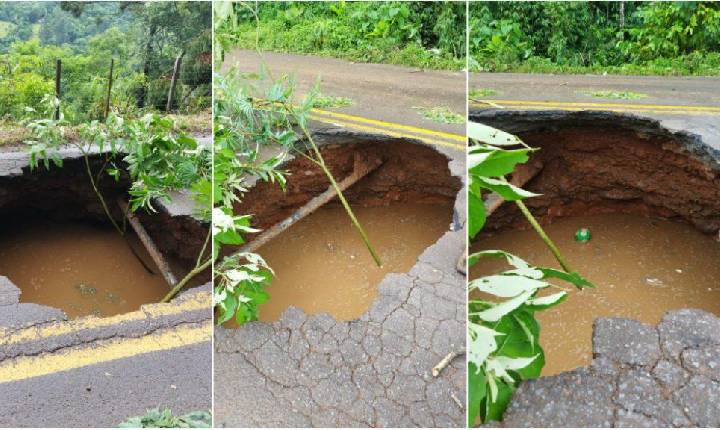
(24, 367)
(615, 107)
(432, 137)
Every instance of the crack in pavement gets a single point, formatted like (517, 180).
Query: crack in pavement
(638, 378)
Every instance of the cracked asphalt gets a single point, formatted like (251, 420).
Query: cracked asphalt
(97, 372)
(375, 371)
(641, 376)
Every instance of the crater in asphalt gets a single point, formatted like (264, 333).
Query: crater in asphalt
(59, 249)
(321, 263)
(651, 199)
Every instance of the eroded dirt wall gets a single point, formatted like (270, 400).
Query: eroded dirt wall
(409, 173)
(602, 163)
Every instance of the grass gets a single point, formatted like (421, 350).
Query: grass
(707, 64)
(155, 418)
(330, 102)
(612, 94)
(200, 122)
(13, 134)
(299, 39)
(6, 28)
(441, 114)
(481, 92)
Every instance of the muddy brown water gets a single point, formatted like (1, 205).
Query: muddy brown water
(322, 265)
(81, 268)
(643, 267)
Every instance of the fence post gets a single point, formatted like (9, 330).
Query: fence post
(58, 95)
(173, 82)
(109, 90)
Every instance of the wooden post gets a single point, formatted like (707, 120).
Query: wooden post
(149, 244)
(58, 95)
(360, 170)
(173, 82)
(109, 90)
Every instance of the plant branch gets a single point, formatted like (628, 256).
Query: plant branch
(99, 195)
(202, 251)
(346, 205)
(180, 285)
(533, 222)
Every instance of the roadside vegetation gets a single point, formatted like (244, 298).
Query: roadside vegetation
(427, 35)
(155, 418)
(612, 94)
(634, 38)
(441, 114)
(503, 333)
(329, 102)
(143, 40)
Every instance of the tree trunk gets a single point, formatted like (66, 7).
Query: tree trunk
(109, 90)
(173, 82)
(58, 94)
(142, 96)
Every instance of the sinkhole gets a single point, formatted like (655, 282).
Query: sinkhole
(58, 247)
(651, 200)
(405, 203)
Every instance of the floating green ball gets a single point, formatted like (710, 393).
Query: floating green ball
(582, 235)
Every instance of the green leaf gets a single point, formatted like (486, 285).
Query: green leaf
(502, 309)
(477, 392)
(503, 188)
(574, 277)
(521, 334)
(476, 219)
(481, 343)
(545, 302)
(496, 162)
(228, 308)
(494, 409)
(491, 136)
(506, 286)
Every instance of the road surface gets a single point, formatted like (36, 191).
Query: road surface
(384, 97)
(97, 372)
(679, 103)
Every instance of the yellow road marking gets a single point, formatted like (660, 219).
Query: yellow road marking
(45, 364)
(198, 301)
(416, 130)
(390, 133)
(575, 109)
(630, 106)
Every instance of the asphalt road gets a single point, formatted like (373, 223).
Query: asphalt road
(679, 103)
(380, 92)
(659, 90)
(98, 372)
(106, 394)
